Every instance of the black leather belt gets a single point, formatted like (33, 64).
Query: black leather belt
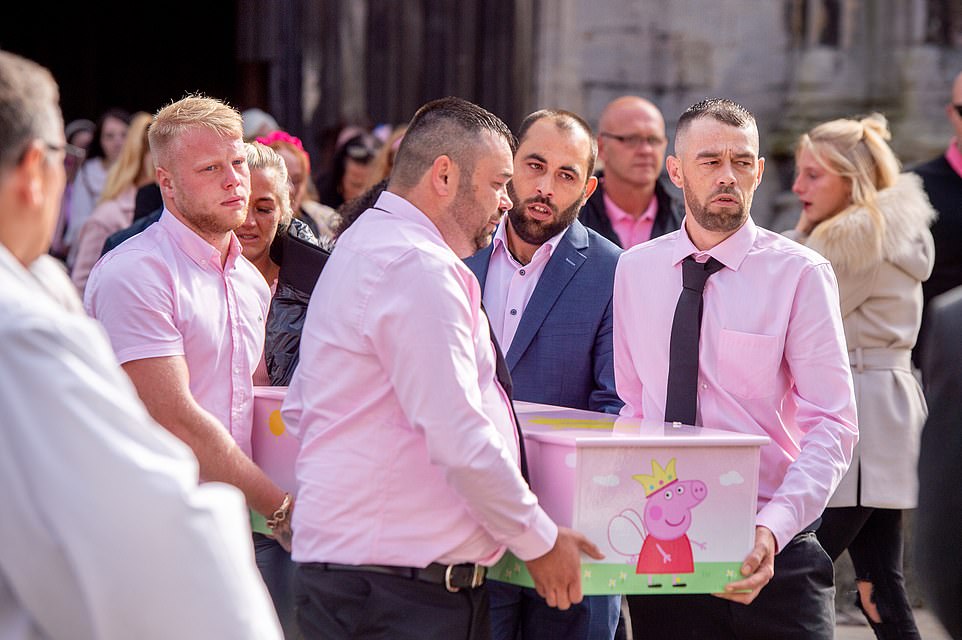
(454, 577)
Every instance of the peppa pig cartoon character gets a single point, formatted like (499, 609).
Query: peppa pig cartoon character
(667, 516)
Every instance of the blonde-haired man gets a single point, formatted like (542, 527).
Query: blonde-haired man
(184, 310)
(105, 533)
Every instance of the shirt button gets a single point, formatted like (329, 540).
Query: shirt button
(704, 386)
(514, 312)
(521, 272)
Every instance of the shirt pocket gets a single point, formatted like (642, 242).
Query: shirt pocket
(747, 363)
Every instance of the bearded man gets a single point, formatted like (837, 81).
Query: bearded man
(547, 288)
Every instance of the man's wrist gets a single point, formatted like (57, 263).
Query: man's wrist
(281, 518)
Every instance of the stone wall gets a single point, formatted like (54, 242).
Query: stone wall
(792, 62)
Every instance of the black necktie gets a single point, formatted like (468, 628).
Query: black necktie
(503, 374)
(682, 400)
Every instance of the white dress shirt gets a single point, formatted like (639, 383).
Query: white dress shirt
(105, 533)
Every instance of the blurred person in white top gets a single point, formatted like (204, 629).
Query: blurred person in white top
(106, 533)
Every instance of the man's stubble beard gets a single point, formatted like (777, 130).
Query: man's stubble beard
(714, 221)
(535, 232)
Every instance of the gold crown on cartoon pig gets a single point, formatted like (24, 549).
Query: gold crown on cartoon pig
(659, 477)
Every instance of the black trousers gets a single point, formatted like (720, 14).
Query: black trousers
(797, 604)
(873, 538)
(342, 605)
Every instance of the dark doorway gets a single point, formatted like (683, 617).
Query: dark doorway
(130, 55)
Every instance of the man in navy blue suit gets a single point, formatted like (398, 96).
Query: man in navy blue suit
(547, 285)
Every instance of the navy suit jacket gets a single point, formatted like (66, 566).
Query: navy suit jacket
(562, 353)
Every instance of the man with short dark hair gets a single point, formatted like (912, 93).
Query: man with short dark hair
(410, 470)
(105, 534)
(726, 325)
(547, 283)
(631, 205)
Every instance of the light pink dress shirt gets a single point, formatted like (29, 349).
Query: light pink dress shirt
(409, 454)
(773, 360)
(954, 157)
(509, 284)
(631, 230)
(164, 293)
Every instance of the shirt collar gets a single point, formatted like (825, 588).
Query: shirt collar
(500, 242)
(954, 157)
(198, 249)
(44, 274)
(730, 252)
(396, 205)
(617, 214)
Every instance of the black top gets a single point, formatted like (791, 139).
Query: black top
(668, 218)
(944, 188)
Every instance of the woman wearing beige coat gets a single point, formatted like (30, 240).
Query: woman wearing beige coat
(871, 223)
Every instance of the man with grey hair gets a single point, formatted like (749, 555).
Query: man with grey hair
(738, 328)
(106, 533)
(631, 205)
(410, 475)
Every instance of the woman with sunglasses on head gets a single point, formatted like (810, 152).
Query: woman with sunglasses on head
(320, 218)
(350, 170)
(871, 223)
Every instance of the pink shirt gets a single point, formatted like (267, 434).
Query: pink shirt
(773, 359)
(107, 218)
(409, 454)
(631, 230)
(953, 156)
(509, 284)
(164, 293)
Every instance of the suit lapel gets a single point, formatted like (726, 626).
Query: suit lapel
(564, 263)
(478, 263)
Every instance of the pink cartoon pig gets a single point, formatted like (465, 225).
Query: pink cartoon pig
(667, 517)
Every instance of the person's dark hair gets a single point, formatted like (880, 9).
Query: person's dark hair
(721, 109)
(565, 121)
(350, 211)
(95, 150)
(361, 149)
(448, 126)
(28, 106)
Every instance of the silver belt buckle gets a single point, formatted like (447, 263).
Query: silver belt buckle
(477, 578)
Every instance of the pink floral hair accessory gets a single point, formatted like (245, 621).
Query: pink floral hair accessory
(280, 136)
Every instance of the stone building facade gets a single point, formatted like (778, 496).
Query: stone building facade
(792, 62)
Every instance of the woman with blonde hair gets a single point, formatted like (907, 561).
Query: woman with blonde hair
(103, 152)
(319, 218)
(871, 222)
(133, 169)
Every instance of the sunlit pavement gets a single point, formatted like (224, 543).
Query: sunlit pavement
(929, 628)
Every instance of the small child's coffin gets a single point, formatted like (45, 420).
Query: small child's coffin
(672, 507)
(272, 448)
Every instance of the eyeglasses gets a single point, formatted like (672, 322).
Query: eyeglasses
(958, 109)
(635, 141)
(70, 150)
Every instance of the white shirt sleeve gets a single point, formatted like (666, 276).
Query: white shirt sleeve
(106, 533)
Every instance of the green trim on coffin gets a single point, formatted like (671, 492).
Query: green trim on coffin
(259, 523)
(605, 579)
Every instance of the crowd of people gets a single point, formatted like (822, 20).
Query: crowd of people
(427, 280)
